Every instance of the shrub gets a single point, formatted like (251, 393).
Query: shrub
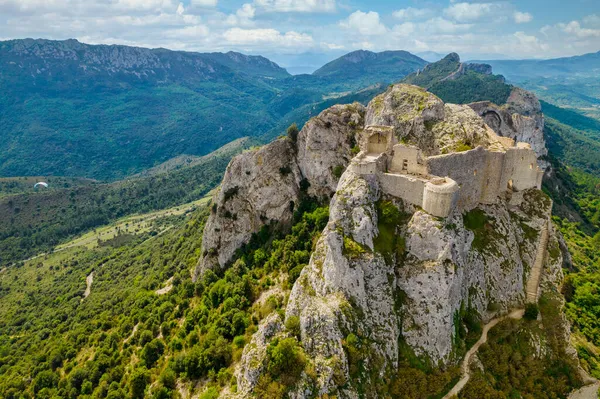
(137, 383)
(286, 360)
(338, 170)
(292, 324)
(352, 249)
(285, 170)
(292, 132)
(531, 311)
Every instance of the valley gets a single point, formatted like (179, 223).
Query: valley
(269, 267)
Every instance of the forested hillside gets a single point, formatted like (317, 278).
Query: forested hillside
(34, 221)
(106, 112)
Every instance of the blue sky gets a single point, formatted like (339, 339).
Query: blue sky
(298, 32)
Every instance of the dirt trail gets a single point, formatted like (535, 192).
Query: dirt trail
(531, 291)
(88, 282)
(464, 368)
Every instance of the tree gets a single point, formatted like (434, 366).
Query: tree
(137, 383)
(292, 132)
(45, 379)
(152, 352)
(531, 311)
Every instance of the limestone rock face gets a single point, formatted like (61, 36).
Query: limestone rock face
(384, 276)
(341, 292)
(262, 187)
(408, 110)
(520, 119)
(460, 127)
(325, 144)
(413, 298)
(251, 364)
(258, 188)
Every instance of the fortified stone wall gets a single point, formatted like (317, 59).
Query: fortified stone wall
(408, 159)
(520, 169)
(440, 197)
(409, 188)
(470, 171)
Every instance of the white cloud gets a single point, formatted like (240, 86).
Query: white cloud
(592, 20)
(243, 16)
(405, 29)
(252, 37)
(442, 25)
(189, 32)
(296, 5)
(332, 46)
(410, 13)
(522, 17)
(365, 23)
(204, 3)
(468, 12)
(530, 43)
(575, 28)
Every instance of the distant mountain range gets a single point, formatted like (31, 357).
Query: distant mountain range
(587, 65)
(106, 112)
(572, 82)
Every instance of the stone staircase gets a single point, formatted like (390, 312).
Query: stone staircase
(536, 272)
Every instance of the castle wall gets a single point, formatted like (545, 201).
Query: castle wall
(440, 183)
(409, 188)
(520, 169)
(492, 183)
(468, 169)
(407, 159)
(440, 197)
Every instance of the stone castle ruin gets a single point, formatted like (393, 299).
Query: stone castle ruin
(441, 183)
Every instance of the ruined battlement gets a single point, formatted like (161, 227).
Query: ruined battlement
(441, 183)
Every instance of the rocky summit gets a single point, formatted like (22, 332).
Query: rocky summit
(390, 278)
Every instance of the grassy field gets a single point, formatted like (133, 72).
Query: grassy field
(133, 225)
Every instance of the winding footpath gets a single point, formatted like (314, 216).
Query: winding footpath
(464, 368)
(532, 295)
(88, 282)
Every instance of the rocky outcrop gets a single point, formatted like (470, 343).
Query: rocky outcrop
(262, 187)
(385, 276)
(325, 146)
(409, 110)
(520, 118)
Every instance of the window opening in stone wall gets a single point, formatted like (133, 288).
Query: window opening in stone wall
(404, 164)
(475, 172)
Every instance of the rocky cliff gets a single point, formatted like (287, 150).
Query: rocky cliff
(520, 118)
(387, 283)
(262, 187)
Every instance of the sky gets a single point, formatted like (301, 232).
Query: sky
(301, 33)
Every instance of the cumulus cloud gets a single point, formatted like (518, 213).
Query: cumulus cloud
(253, 37)
(575, 28)
(203, 3)
(296, 5)
(332, 46)
(522, 17)
(365, 23)
(411, 13)
(468, 12)
(243, 16)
